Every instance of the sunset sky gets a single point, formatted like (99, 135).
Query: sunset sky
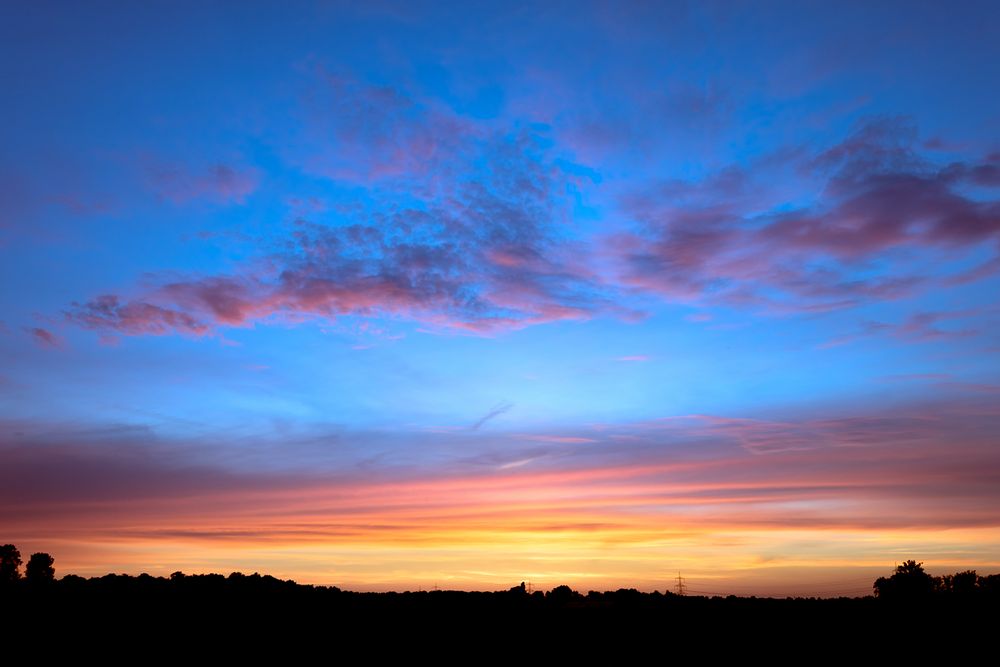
(464, 294)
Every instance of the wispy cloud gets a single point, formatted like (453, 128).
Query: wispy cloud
(495, 411)
(920, 327)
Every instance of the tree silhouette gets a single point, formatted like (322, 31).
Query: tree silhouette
(10, 562)
(39, 569)
(909, 582)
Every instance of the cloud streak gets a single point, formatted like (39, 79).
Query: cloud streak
(495, 411)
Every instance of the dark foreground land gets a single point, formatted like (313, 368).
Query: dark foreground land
(246, 614)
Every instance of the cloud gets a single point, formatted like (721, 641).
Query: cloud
(495, 411)
(44, 337)
(71, 472)
(922, 326)
(108, 313)
(468, 225)
(877, 208)
(487, 248)
(919, 327)
(770, 437)
(634, 358)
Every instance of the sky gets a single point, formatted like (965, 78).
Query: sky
(404, 295)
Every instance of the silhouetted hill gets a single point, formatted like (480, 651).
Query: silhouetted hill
(242, 613)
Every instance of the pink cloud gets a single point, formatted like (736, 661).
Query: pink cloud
(634, 357)
(44, 337)
(108, 313)
(487, 257)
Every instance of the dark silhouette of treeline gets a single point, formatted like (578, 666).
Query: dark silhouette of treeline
(202, 605)
(909, 582)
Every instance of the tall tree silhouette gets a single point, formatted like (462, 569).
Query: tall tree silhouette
(10, 563)
(39, 569)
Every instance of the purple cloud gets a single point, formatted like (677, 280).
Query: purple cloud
(877, 205)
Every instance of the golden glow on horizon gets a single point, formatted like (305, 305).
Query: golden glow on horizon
(630, 526)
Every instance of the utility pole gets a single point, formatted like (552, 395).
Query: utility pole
(680, 584)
